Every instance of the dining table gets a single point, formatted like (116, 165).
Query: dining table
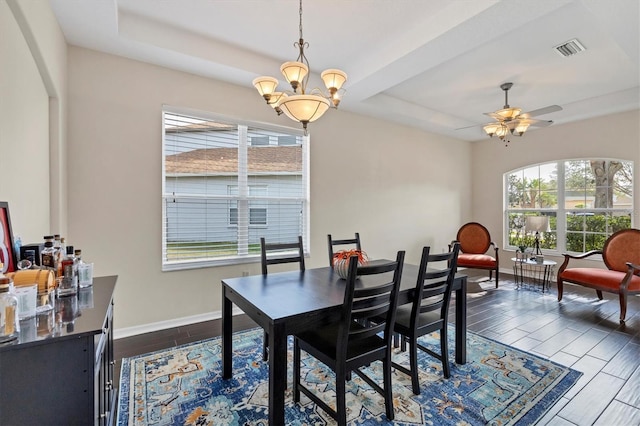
(286, 303)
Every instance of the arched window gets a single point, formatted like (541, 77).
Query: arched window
(578, 204)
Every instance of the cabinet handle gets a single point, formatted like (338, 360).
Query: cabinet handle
(103, 415)
(112, 362)
(108, 385)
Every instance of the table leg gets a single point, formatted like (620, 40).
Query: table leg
(461, 322)
(227, 332)
(277, 373)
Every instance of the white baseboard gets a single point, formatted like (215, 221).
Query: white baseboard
(163, 325)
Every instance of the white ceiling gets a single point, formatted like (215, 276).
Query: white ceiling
(433, 64)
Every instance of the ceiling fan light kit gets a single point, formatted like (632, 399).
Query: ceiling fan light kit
(301, 105)
(511, 120)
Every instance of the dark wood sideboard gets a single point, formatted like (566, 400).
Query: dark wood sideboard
(60, 371)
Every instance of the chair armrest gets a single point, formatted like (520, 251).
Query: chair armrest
(495, 249)
(568, 256)
(633, 267)
(452, 243)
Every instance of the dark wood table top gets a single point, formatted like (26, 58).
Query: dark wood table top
(288, 294)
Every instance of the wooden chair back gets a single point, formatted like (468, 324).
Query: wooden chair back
(276, 253)
(433, 287)
(364, 305)
(349, 241)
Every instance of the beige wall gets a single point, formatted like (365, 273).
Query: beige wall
(614, 136)
(391, 183)
(25, 138)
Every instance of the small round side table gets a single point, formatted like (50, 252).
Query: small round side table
(528, 271)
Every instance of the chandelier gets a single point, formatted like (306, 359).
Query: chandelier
(301, 105)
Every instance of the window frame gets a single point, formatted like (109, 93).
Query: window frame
(245, 256)
(561, 210)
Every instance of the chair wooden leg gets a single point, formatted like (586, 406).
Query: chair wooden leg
(296, 371)
(265, 346)
(388, 391)
(599, 293)
(623, 306)
(497, 276)
(413, 361)
(559, 283)
(444, 352)
(341, 404)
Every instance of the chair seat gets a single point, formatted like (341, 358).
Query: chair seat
(403, 318)
(605, 278)
(326, 338)
(476, 260)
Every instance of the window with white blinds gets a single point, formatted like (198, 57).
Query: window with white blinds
(226, 183)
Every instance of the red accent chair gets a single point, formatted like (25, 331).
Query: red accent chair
(475, 242)
(621, 255)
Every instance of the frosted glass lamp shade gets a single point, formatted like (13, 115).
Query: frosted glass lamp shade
(275, 98)
(333, 79)
(304, 108)
(294, 72)
(521, 127)
(265, 86)
(491, 129)
(509, 113)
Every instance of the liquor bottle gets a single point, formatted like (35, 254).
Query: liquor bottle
(8, 312)
(48, 256)
(59, 253)
(85, 271)
(69, 282)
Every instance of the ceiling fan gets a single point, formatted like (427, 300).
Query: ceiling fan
(511, 121)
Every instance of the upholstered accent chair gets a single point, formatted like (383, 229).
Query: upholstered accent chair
(475, 242)
(621, 256)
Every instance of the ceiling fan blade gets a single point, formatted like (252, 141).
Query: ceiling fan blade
(541, 123)
(470, 127)
(541, 111)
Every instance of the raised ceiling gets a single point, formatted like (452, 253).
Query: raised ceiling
(433, 64)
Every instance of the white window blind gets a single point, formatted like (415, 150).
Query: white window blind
(226, 183)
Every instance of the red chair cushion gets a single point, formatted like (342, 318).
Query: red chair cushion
(476, 260)
(600, 277)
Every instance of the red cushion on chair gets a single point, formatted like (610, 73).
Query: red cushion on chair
(600, 277)
(476, 260)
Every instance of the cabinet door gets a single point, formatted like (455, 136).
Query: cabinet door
(104, 390)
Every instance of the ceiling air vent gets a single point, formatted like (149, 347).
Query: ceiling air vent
(569, 48)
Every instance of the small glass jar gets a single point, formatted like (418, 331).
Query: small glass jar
(8, 312)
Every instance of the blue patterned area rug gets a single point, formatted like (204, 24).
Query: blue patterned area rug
(499, 385)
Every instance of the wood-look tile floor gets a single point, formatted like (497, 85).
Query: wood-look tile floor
(581, 332)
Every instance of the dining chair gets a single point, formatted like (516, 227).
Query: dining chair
(277, 253)
(428, 311)
(353, 341)
(349, 241)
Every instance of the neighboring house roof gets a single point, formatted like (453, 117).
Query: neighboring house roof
(225, 160)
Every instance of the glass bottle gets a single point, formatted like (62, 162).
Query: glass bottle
(48, 256)
(59, 253)
(8, 312)
(85, 271)
(69, 279)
